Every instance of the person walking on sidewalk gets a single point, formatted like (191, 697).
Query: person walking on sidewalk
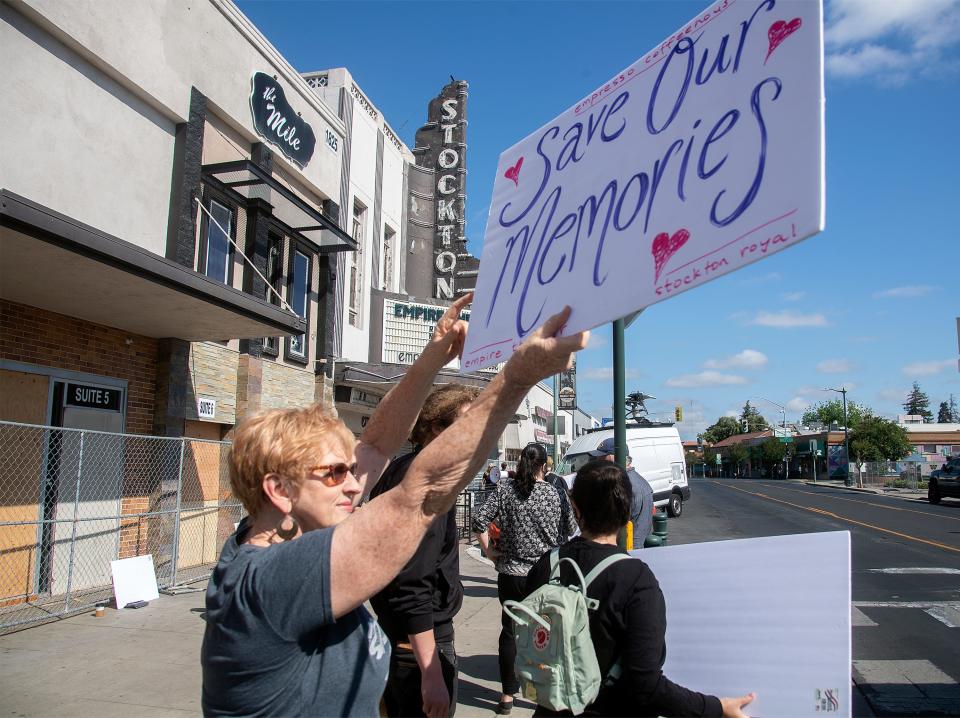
(629, 625)
(417, 608)
(286, 632)
(641, 510)
(532, 520)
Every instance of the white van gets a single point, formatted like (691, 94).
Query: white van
(657, 456)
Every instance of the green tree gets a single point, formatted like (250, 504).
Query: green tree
(944, 416)
(772, 452)
(725, 426)
(751, 418)
(918, 403)
(831, 412)
(738, 454)
(877, 439)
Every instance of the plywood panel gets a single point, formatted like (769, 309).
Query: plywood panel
(23, 398)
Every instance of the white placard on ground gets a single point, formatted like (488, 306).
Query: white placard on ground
(134, 579)
(770, 615)
(703, 156)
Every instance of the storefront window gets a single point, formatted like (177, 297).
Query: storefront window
(388, 238)
(355, 287)
(299, 289)
(216, 261)
(273, 275)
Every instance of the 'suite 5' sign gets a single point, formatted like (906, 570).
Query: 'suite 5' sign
(277, 122)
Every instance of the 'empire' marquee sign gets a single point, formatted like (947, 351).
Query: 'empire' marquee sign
(278, 123)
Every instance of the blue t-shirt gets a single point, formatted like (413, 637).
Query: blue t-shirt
(272, 647)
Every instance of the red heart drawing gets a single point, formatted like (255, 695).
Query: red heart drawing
(664, 246)
(513, 173)
(780, 31)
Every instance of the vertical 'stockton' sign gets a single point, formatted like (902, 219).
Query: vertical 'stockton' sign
(441, 146)
(703, 156)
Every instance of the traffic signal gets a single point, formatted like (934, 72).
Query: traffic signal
(678, 413)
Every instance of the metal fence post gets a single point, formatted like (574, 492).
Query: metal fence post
(176, 518)
(73, 529)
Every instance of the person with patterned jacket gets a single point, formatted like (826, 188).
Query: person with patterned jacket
(533, 519)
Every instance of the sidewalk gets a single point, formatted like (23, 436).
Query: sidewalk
(146, 662)
(911, 494)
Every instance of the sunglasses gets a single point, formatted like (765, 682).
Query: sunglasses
(333, 474)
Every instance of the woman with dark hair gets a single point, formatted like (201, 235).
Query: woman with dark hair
(629, 626)
(533, 519)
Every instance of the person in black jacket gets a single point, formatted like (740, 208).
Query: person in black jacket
(416, 609)
(629, 626)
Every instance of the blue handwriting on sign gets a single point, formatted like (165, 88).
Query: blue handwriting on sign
(542, 243)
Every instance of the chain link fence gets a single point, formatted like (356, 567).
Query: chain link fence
(893, 474)
(72, 501)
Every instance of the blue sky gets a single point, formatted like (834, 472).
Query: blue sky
(870, 303)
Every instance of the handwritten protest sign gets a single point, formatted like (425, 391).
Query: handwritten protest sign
(703, 156)
(776, 620)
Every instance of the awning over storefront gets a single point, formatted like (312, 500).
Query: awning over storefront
(54, 262)
(245, 180)
(383, 377)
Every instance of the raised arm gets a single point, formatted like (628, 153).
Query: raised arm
(390, 425)
(371, 546)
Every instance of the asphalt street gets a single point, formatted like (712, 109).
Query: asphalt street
(905, 583)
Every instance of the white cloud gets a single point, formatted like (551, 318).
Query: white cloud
(926, 368)
(893, 40)
(793, 296)
(897, 395)
(605, 373)
(798, 404)
(834, 366)
(788, 320)
(747, 359)
(914, 290)
(596, 341)
(705, 378)
(762, 279)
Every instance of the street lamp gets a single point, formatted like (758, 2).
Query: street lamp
(847, 481)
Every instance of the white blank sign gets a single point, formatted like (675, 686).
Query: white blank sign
(770, 615)
(134, 579)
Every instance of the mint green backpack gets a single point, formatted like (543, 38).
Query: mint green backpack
(556, 662)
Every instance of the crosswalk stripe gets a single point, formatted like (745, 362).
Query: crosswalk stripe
(918, 570)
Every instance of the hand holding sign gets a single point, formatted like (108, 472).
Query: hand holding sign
(544, 353)
(450, 332)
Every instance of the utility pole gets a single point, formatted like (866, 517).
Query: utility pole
(556, 437)
(620, 405)
(847, 479)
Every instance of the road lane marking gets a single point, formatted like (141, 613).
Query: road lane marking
(953, 605)
(919, 570)
(870, 503)
(950, 617)
(859, 619)
(905, 673)
(823, 512)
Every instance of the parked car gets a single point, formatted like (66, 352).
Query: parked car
(945, 481)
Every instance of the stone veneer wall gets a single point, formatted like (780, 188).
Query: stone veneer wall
(285, 386)
(213, 373)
